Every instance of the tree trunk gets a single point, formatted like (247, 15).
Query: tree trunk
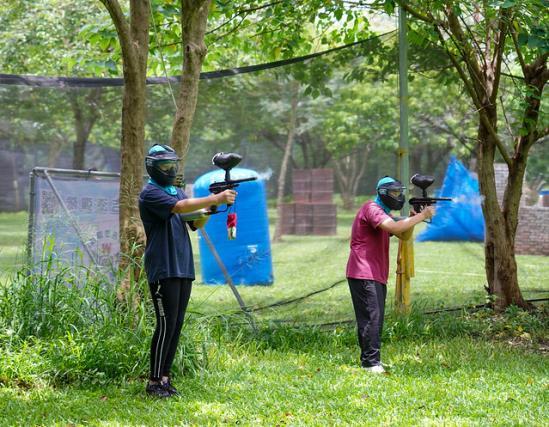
(277, 235)
(348, 172)
(55, 148)
(134, 42)
(194, 18)
(131, 166)
(478, 61)
(344, 177)
(500, 231)
(83, 124)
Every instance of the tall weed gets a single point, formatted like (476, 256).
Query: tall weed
(64, 324)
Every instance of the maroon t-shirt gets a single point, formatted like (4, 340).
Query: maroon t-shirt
(369, 257)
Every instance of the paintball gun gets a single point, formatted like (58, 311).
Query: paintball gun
(226, 161)
(423, 182)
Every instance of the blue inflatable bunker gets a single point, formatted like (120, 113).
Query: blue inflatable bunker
(248, 257)
(461, 219)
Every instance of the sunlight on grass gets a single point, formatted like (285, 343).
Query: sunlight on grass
(449, 369)
(457, 382)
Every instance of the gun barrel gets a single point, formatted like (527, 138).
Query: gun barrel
(218, 187)
(237, 181)
(429, 199)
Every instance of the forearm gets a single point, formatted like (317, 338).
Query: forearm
(408, 224)
(190, 205)
(404, 228)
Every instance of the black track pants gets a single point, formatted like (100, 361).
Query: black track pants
(170, 298)
(369, 304)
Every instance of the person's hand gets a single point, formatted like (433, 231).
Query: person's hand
(227, 197)
(429, 212)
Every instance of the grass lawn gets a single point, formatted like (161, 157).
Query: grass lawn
(444, 369)
(13, 237)
(456, 382)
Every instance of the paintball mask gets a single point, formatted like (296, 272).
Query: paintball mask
(391, 193)
(162, 164)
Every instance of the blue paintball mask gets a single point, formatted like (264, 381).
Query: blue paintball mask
(162, 164)
(390, 194)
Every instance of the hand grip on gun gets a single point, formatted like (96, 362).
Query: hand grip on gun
(226, 197)
(429, 212)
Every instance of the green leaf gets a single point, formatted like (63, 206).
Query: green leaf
(389, 7)
(507, 4)
(522, 39)
(535, 42)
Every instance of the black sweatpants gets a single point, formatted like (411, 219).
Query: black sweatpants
(170, 298)
(369, 304)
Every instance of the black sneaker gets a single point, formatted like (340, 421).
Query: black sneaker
(157, 390)
(170, 388)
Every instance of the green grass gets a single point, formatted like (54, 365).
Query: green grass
(13, 237)
(453, 382)
(59, 368)
(447, 275)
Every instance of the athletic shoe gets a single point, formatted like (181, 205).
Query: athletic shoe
(376, 369)
(157, 390)
(170, 388)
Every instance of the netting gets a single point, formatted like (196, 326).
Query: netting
(347, 112)
(346, 119)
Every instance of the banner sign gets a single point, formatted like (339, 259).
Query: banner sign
(75, 218)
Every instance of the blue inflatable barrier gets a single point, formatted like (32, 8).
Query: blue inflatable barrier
(461, 219)
(248, 257)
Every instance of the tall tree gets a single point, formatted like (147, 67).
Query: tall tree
(194, 17)
(358, 117)
(291, 131)
(133, 35)
(48, 31)
(479, 38)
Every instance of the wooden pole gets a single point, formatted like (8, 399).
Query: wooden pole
(405, 271)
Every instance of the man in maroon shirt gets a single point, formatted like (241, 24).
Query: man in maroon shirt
(368, 265)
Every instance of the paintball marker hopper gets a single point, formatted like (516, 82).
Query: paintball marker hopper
(423, 182)
(226, 161)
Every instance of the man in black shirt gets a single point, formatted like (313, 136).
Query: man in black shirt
(168, 257)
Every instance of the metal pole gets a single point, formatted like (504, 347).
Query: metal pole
(228, 278)
(403, 152)
(405, 249)
(30, 238)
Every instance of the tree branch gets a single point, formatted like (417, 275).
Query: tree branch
(244, 12)
(243, 18)
(517, 49)
(498, 51)
(122, 28)
(466, 49)
(422, 17)
(473, 38)
(507, 123)
(470, 89)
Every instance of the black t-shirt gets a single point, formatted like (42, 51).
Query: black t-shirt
(168, 252)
